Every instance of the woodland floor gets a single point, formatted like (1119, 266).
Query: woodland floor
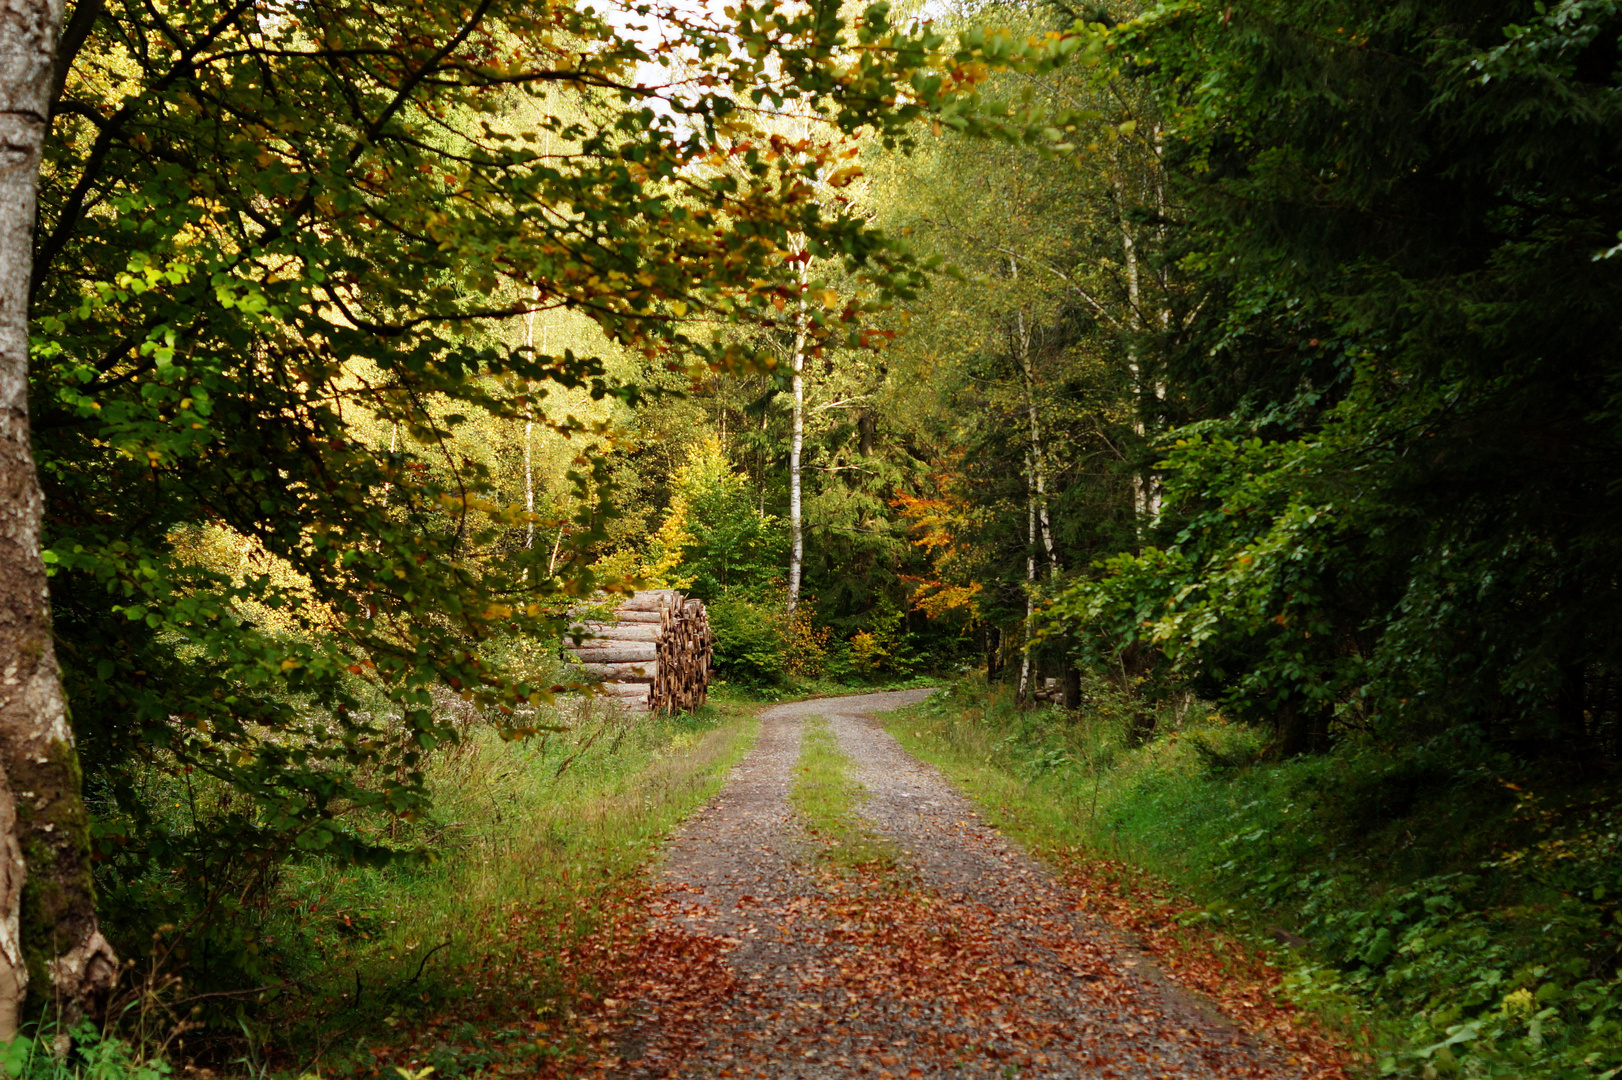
(961, 957)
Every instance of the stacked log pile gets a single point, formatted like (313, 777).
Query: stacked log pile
(654, 654)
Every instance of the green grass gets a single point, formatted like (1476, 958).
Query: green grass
(539, 834)
(95, 1056)
(1472, 926)
(829, 801)
(799, 689)
(1049, 785)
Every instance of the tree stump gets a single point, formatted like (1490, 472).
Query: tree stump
(653, 655)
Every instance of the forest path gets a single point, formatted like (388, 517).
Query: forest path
(963, 959)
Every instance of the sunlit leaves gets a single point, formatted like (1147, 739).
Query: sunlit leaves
(274, 240)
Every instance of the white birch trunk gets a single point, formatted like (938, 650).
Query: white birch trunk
(557, 545)
(1144, 498)
(1030, 581)
(529, 486)
(37, 760)
(1038, 453)
(529, 441)
(796, 557)
(1159, 386)
(388, 486)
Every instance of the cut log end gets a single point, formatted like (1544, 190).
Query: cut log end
(655, 654)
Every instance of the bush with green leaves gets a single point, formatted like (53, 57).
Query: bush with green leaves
(721, 542)
(1389, 453)
(93, 1056)
(750, 644)
(1472, 922)
(278, 261)
(1478, 929)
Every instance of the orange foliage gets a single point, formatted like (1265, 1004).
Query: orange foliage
(936, 525)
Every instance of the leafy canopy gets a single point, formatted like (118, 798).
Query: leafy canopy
(1398, 507)
(277, 244)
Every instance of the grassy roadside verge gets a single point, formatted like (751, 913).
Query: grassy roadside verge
(828, 799)
(476, 961)
(1063, 823)
(803, 689)
(1425, 906)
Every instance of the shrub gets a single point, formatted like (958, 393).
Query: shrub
(805, 644)
(93, 1057)
(1474, 924)
(750, 640)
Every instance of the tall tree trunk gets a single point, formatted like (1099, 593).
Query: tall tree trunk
(1158, 386)
(1036, 489)
(529, 418)
(1145, 492)
(802, 329)
(388, 486)
(529, 485)
(47, 902)
(529, 439)
(1038, 453)
(1030, 582)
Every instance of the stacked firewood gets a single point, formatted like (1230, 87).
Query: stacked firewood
(685, 651)
(653, 654)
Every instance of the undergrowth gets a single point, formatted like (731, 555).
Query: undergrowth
(528, 841)
(93, 1056)
(799, 688)
(1463, 915)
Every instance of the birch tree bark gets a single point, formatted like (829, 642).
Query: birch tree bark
(44, 836)
(802, 319)
(1145, 491)
(529, 418)
(1141, 492)
(529, 484)
(1030, 581)
(1038, 452)
(1036, 488)
(529, 441)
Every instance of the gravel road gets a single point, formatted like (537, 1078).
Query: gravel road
(967, 960)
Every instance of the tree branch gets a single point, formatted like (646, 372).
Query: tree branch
(74, 35)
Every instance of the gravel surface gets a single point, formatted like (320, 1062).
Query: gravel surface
(966, 960)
